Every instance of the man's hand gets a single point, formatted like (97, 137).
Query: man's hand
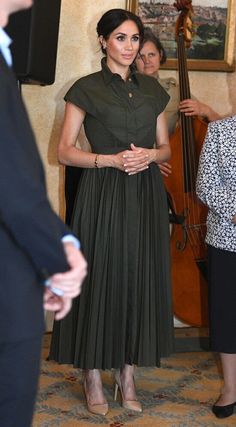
(60, 305)
(70, 282)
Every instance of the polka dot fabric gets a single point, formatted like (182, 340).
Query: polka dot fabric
(216, 182)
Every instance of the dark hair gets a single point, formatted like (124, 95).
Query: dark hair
(113, 18)
(149, 36)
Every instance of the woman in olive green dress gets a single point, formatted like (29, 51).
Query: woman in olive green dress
(121, 217)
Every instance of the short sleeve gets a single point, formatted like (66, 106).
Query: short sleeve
(79, 96)
(162, 97)
(154, 92)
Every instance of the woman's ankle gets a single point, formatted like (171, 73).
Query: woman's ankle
(91, 373)
(94, 388)
(226, 397)
(127, 371)
(127, 382)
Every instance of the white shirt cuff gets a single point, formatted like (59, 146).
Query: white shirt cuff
(67, 238)
(72, 239)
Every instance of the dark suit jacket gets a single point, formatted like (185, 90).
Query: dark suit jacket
(30, 232)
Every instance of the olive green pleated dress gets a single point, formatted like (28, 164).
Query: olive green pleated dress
(124, 313)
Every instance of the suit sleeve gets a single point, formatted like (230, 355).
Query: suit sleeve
(25, 212)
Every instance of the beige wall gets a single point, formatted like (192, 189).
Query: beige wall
(78, 54)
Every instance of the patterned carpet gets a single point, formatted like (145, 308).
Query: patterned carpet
(179, 394)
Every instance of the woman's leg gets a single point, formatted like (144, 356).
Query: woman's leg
(93, 387)
(228, 393)
(127, 382)
(96, 402)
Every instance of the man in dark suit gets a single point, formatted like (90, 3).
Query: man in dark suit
(36, 248)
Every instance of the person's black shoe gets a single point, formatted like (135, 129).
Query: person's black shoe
(223, 411)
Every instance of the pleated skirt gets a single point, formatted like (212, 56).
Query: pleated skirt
(124, 313)
(222, 300)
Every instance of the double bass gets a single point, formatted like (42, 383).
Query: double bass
(188, 249)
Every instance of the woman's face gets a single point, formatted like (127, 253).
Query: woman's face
(149, 59)
(122, 45)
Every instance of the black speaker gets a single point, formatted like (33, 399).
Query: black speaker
(35, 35)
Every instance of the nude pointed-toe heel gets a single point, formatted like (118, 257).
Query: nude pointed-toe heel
(97, 408)
(133, 405)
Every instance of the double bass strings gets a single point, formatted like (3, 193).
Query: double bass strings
(192, 210)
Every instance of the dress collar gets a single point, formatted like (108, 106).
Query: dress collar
(109, 76)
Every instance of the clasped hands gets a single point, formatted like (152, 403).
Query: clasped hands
(136, 160)
(69, 282)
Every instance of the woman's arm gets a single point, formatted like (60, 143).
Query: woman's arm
(211, 187)
(68, 153)
(162, 152)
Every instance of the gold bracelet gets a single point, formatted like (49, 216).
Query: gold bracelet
(96, 161)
